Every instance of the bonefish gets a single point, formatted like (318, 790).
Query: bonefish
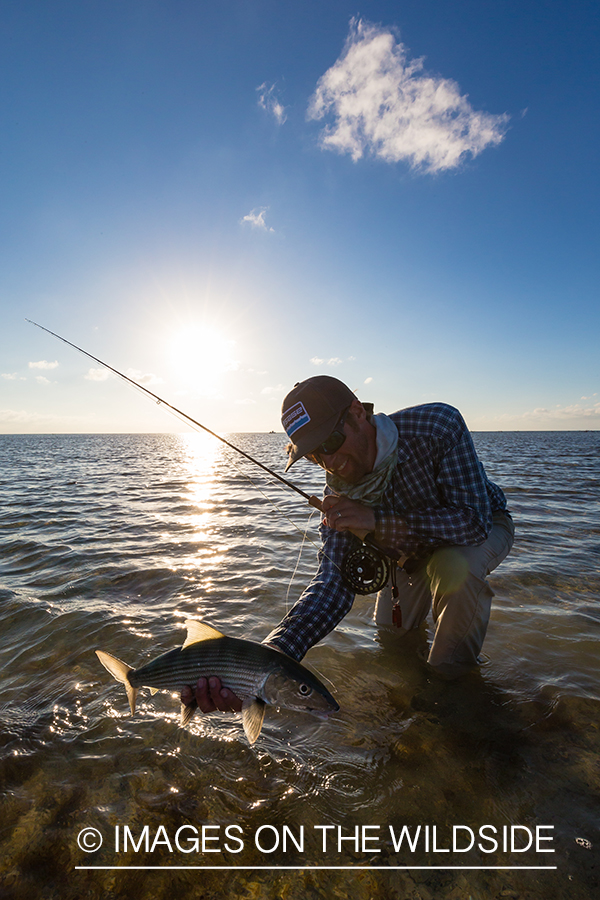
(259, 675)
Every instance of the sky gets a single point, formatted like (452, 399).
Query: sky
(220, 199)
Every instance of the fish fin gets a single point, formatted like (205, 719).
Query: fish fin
(187, 713)
(199, 631)
(253, 713)
(120, 671)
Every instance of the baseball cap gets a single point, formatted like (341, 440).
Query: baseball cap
(311, 411)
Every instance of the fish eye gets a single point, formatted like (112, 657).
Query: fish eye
(305, 690)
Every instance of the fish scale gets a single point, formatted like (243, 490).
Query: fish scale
(230, 659)
(257, 674)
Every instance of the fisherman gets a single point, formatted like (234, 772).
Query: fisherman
(412, 481)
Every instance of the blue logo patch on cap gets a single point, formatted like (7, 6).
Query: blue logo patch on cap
(294, 418)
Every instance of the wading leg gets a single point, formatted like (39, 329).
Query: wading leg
(462, 598)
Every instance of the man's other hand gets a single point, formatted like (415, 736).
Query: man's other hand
(210, 695)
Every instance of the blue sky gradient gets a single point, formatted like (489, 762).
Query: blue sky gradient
(168, 203)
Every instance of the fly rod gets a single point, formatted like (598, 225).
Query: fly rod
(312, 500)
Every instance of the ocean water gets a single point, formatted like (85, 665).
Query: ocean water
(112, 541)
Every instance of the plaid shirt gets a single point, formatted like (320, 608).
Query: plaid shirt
(439, 495)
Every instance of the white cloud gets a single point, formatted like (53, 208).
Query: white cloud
(380, 102)
(368, 380)
(140, 377)
(559, 417)
(97, 374)
(280, 390)
(24, 417)
(43, 364)
(256, 218)
(17, 416)
(41, 379)
(135, 374)
(334, 361)
(268, 101)
(566, 413)
(12, 376)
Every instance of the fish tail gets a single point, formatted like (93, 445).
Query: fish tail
(119, 670)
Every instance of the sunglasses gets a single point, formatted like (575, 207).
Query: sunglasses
(333, 442)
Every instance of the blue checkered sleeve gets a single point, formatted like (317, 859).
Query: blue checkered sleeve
(440, 494)
(323, 604)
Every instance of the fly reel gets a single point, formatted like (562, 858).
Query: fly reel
(365, 570)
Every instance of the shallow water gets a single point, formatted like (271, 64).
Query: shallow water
(113, 541)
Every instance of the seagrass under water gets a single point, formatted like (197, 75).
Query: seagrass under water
(114, 541)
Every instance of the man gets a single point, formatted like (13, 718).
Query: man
(413, 482)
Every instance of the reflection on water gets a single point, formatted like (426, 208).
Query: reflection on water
(113, 541)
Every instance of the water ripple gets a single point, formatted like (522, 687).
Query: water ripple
(112, 541)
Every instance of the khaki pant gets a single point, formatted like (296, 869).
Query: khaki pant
(452, 583)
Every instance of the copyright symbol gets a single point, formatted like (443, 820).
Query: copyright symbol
(89, 840)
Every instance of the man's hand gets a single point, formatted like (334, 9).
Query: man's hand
(343, 514)
(210, 695)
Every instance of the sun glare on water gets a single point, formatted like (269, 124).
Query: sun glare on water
(201, 452)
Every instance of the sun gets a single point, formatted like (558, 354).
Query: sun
(199, 357)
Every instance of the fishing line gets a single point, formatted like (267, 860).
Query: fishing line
(179, 414)
(314, 501)
(293, 575)
(365, 569)
(304, 533)
(279, 510)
